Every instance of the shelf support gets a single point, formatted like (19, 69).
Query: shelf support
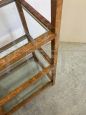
(56, 12)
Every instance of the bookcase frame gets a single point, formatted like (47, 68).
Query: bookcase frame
(51, 36)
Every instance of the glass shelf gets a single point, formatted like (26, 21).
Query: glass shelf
(35, 27)
(13, 45)
(18, 77)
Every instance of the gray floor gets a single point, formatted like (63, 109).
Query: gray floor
(68, 96)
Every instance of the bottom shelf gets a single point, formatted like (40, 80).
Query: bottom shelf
(16, 78)
(26, 93)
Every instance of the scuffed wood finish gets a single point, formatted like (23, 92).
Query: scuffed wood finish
(52, 35)
(56, 18)
(24, 50)
(5, 2)
(53, 13)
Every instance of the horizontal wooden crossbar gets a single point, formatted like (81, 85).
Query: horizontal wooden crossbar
(37, 15)
(14, 67)
(29, 98)
(26, 49)
(9, 45)
(28, 83)
(5, 2)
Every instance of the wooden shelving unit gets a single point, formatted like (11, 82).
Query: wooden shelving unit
(28, 75)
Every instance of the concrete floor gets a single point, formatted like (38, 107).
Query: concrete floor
(68, 95)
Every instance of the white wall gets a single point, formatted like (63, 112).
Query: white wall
(73, 28)
(74, 21)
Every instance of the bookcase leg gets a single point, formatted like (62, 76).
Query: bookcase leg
(2, 111)
(54, 53)
(53, 75)
(56, 12)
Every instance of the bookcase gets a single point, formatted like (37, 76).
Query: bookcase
(29, 69)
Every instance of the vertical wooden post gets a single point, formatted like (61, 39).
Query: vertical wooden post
(56, 12)
(23, 20)
(53, 13)
(21, 14)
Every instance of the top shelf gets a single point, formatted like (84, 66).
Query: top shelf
(36, 15)
(29, 47)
